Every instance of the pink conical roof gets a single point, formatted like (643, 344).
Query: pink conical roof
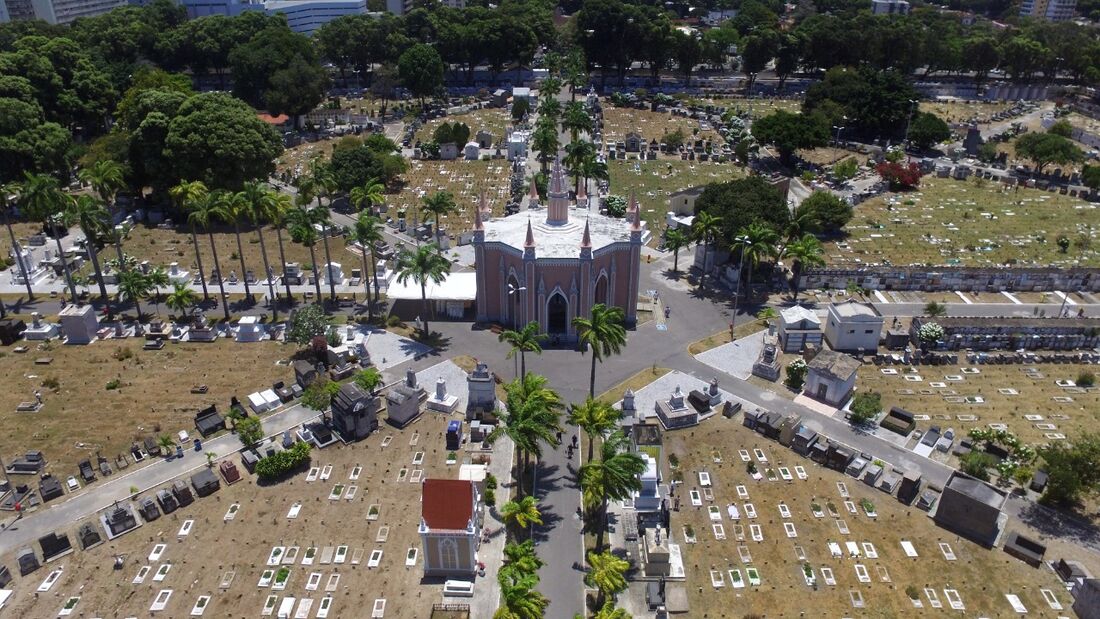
(534, 193)
(557, 179)
(530, 242)
(586, 240)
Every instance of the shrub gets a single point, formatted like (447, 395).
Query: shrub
(113, 384)
(490, 482)
(1086, 379)
(976, 464)
(51, 383)
(122, 354)
(796, 374)
(865, 407)
(930, 333)
(490, 497)
(279, 464)
(898, 176)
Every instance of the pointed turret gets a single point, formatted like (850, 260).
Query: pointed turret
(557, 212)
(586, 240)
(633, 204)
(636, 223)
(529, 243)
(533, 195)
(582, 197)
(478, 224)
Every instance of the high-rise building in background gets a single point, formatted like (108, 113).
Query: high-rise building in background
(1050, 10)
(55, 11)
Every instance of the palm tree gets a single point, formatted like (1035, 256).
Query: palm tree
(133, 286)
(603, 333)
(575, 120)
(594, 169)
(41, 198)
(575, 77)
(613, 477)
(545, 142)
(521, 513)
(320, 183)
(4, 193)
(166, 443)
(181, 299)
(422, 266)
(106, 178)
(934, 309)
(805, 252)
(803, 221)
(528, 339)
(368, 233)
(607, 574)
(277, 210)
(755, 243)
(233, 208)
(259, 201)
(530, 418)
(439, 204)
(88, 213)
(596, 418)
(368, 194)
(518, 597)
(549, 107)
(321, 216)
(204, 212)
(157, 277)
(303, 232)
(704, 228)
(187, 196)
(675, 240)
(610, 611)
(576, 153)
(522, 557)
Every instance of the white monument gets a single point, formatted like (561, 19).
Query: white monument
(334, 272)
(249, 329)
(472, 152)
(80, 324)
(440, 401)
(39, 330)
(22, 256)
(517, 145)
(176, 275)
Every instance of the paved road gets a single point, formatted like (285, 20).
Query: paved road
(101, 494)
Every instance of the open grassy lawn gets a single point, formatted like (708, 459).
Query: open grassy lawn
(619, 121)
(981, 577)
(748, 108)
(82, 416)
(950, 222)
(296, 159)
(161, 247)
(1033, 396)
(653, 181)
(493, 120)
(964, 111)
(216, 549)
(464, 179)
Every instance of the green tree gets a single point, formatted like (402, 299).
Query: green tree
(187, 195)
(740, 203)
(1046, 148)
(306, 323)
(576, 120)
(614, 476)
(369, 379)
(607, 573)
(520, 108)
(133, 286)
(934, 309)
(530, 418)
(596, 418)
(205, 211)
(521, 557)
(865, 407)
(40, 198)
(755, 243)
(250, 430)
(1074, 470)
(421, 71)
(422, 266)
(830, 214)
(232, 208)
(296, 89)
(675, 240)
(302, 232)
(526, 339)
(705, 228)
(544, 141)
(521, 513)
(977, 464)
(1062, 128)
(368, 233)
(89, 213)
(368, 195)
(158, 277)
(609, 611)
(181, 299)
(106, 179)
(791, 132)
(258, 202)
(927, 130)
(805, 252)
(518, 597)
(219, 139)
(318, 395)
(603, 333)
(439, 204)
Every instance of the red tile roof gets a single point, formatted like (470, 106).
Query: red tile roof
(274, 120)
(447, 503)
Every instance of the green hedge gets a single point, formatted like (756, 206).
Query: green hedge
(283, 462)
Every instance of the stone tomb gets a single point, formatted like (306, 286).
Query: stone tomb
(440, 400)
(403, 401)
(80, 324)
(39, 330)
(482, 393)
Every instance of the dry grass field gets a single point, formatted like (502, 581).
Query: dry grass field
(653, 182)
(619, 121)
(950, 222)
(82, 416)
(981, 577)
(752, 108)
(493, 120)
(464, 179)
(1007, 393)
(203, 560)
(964, 111)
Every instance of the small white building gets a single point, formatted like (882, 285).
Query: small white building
(648, 499)
(249, 329)
(450, 527)
(521, 92)
(798, 326)
(831, 377)
(853, 327)
(80, 324)
(472, 151)
(517, 145)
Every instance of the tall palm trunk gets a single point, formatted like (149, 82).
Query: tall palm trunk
(316, 274)
(282, 257)
(438, 238)
(328, 274)
(366, 286)
(93, 255)
(240, 256)
(591, 446)
(270, 278)
(22, 267)
(374, 273)
(198, 259)
(137, 306)
(592, 375)
(65, 269)
(424, 306)
(522, 363)
(221, 277)
(706, 252)
(601, 525)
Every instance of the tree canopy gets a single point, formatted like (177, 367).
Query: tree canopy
(743, 202)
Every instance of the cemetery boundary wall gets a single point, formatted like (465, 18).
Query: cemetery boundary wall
(947, 279)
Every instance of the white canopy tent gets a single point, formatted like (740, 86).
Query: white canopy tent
(452, 295)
